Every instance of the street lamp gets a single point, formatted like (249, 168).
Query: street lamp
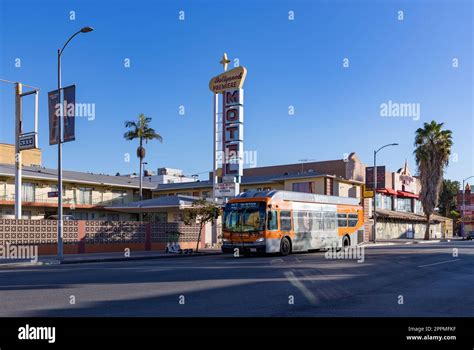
(464, 203)
(375, 186)
(60, 148)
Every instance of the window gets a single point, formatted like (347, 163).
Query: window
(378, 200)
(387, 202)
(329, 220)
(205, 194)
(342, 220)
(303, 187)
(353, 219)
(285, 221)
(28, 192)
(113, 217)
(3, 190)
(195, 194)
(418, 207)
(161, 218)
(404, 204)
(118, 196)
(318, 223)
(84, 196)
(272, 222)
(81, 216)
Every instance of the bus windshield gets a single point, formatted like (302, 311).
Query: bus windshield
(244, 217)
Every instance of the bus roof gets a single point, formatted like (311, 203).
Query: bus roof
(299, 197)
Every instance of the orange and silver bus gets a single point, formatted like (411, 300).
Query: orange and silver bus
(285, 222)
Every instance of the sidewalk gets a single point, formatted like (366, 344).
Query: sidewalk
(398, 241)
(103, 257)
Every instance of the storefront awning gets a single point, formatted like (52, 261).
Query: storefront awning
(407, 194)
(387, 191)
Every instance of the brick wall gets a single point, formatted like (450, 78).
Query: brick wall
(98, 236)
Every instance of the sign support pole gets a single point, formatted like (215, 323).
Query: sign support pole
(216, 121)
(18, 131)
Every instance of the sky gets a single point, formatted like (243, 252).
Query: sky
(318, 74)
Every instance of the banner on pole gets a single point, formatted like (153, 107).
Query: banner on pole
(68, 111)
(53, 111)
(69, 114)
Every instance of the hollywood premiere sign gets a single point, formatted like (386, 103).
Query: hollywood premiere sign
(229, 85)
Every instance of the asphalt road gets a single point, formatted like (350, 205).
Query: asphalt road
(429, 279)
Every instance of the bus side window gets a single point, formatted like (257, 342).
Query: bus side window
(272, 221)
(353, 218)
(285, 220)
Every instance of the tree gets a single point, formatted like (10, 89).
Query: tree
(141, 130)
(202, 212)
(432, 151)
(447, 197)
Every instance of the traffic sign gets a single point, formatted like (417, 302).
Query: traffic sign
(27, 141)
(367, 193)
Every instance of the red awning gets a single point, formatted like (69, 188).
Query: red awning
(407, 194)
(387, 191)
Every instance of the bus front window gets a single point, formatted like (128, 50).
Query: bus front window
(244, 217)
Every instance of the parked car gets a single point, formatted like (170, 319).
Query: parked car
(65, 217)
(470, 235)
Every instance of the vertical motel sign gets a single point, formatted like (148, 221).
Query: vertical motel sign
(229, 85)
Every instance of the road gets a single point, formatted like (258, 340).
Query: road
(401, 280)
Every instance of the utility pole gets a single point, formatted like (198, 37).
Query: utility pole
(22, 141)
(374, 214)
(464, 203)
(18, 131)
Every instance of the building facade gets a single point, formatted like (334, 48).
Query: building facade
(85, 194)
(465, 206)
(399, 210)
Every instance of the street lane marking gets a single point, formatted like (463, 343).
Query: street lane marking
(298, 284)
(277, 261)
(441, 262)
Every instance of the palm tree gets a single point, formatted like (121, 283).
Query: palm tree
(432, 150)
(141, 130)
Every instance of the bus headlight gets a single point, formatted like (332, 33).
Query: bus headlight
(259, 240)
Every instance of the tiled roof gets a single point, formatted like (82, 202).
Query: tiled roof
(40, 173)
(246, 180)
(401, 215)
(165, 201)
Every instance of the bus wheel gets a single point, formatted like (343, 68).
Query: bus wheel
(346, 242)
(285, 246)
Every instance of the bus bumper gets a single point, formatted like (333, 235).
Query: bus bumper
(244, 247)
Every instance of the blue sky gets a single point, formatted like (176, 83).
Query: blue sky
(290, 63)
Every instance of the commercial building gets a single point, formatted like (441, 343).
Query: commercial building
(466, 209)
(399, 210)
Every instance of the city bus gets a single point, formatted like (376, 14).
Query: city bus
(284, 222)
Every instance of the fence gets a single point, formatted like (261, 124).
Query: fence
(98, 236)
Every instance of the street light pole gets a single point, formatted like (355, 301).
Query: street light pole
(60, 148)
(464, 203)
(375, 189)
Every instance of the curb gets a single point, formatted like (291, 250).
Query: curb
(117, 259)
(403, 243)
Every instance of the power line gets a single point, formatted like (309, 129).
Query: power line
(14, 82)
